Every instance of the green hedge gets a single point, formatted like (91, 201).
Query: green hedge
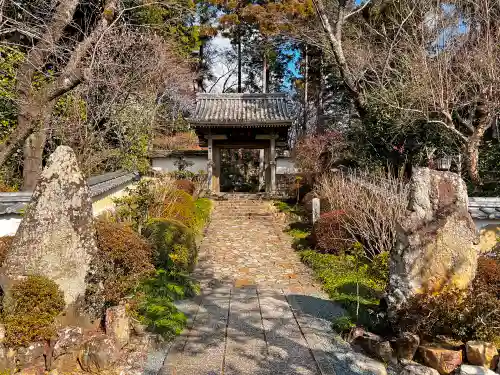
(174, 245)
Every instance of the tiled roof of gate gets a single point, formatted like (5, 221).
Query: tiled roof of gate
(241, 110)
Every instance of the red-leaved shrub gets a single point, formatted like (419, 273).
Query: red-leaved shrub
(185, 185)
(488, 275)
(126, 255)
(329, 234)
(471, 314)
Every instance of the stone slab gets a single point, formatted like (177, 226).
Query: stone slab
(246, 347)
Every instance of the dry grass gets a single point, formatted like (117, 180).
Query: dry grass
(179, 141)
(373, 204)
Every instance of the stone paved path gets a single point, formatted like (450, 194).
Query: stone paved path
(261, 311)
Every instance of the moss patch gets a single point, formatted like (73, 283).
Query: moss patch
(153, 305)
(30, 310)
(346, 281)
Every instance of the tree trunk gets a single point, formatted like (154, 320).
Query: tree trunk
(306, 89)
(335, 41)
(239, 60)
(265, 73)
(33, 153)
(472, 148)
(36, 105)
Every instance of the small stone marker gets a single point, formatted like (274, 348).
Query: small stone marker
(315, 210)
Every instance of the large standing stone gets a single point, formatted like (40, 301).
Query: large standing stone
(437, 240)
(56, 237)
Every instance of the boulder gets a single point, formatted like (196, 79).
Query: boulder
(7, 360)
(138, 328)
(33, 370)
(118, 325)
(448, 342)
(482, 353)
(98, 354)
(406, 345)
(445, 361)
(436, 244)
(2, 333)
(417, 369)
(30, 354)
(56, 236)
(376, 346)
(68, 338)
(475, 370)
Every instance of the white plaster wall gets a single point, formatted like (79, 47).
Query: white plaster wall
(104, 202)
(166, 164)
(9, 224)
(100, 203)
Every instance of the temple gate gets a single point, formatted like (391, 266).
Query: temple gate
(250, 121)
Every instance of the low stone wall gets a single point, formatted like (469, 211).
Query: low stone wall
(103, 190)
(486, 214)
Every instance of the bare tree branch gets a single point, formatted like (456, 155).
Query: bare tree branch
(357, 10)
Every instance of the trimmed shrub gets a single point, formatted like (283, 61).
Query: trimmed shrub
(148, 199)
(179, 205)
(5, 243)
(164, 235)
(203, 208)
(30, 310)
(472, 314)
(126, 255)
(185, 185)
(329, 234)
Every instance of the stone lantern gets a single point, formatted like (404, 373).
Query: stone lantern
(443, 163)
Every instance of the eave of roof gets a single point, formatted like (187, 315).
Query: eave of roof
(240, 124)
(242, 110)
(15, 203)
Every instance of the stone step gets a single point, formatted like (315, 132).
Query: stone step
(249, 208)
(239, 210)
(237, 204)
(236, 214)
